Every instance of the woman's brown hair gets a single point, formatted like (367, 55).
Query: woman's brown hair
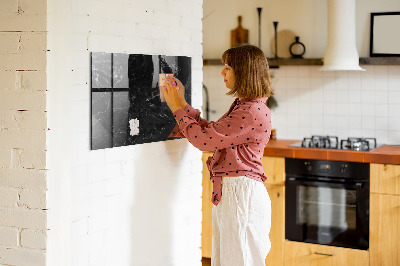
(250, 66)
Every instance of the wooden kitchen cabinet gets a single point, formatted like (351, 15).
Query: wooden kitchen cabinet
(277, 233)
(206, 225)
(385, 178)
(385, 215)
(274, 168)
(384, 236)
(305, 254)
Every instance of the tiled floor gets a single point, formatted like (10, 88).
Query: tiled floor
(206, 261)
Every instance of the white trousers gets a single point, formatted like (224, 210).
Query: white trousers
(241, 223)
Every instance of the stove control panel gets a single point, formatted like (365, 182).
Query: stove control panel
(326, 168)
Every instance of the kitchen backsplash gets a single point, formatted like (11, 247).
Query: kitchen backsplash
(314, 102)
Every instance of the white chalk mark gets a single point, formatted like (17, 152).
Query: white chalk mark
(134, 126)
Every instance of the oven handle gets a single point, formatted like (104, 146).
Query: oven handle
(357, 185)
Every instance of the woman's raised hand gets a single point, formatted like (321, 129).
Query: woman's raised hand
(181, 90)
(174, 94)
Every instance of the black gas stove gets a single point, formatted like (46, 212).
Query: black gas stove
(332, 142)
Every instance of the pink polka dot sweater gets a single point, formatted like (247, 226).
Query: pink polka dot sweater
(238, 139)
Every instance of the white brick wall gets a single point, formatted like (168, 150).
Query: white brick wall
(8, 197)
(135, 205)
(107, 207)
(9, 237)
(23, 132)
(34, 239)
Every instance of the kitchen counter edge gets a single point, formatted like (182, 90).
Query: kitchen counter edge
(385, 154)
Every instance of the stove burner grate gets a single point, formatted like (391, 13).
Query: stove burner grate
(327, 142)
(332, 142)
(358, 144)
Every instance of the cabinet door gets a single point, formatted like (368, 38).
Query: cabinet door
(385, 178)
(384, 230)
(277, 233)
(206, 226)
(274, 168)
(304, 254)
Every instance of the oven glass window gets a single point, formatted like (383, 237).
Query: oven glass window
(326, 207)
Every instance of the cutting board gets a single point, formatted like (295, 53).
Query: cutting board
(239, 35)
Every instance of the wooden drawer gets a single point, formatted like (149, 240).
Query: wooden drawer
(304, 254)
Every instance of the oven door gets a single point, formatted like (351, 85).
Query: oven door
(327, 213)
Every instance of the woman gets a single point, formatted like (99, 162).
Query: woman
(242, 208)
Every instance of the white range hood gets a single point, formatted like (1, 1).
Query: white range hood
(341, 51)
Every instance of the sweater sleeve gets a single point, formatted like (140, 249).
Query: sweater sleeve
(193, 113)
(231, 130)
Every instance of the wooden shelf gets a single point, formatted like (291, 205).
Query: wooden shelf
(273, 63)
(212, 62)
(380, 61)
(294, 62)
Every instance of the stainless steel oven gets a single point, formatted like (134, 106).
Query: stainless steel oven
(327, 202)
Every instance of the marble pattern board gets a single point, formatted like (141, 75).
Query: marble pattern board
(127, 105)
